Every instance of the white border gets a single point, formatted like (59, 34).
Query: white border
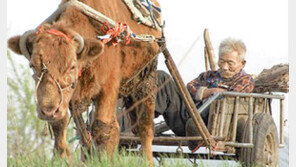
(292, 94)
(292, 81)
(3, 83)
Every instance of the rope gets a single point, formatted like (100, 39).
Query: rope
(43, 71)
(138, 72)
(122, 32)
(116, 34)
(197, 147)
(73, 139)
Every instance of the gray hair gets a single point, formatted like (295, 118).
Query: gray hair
(230, 45)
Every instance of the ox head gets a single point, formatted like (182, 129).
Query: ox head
(56, 55)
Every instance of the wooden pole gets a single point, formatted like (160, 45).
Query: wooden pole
(222, 118)
(208, 139)
(235, 118)
(210, 50)
(250, 120)
(206, 59)
(282, 144)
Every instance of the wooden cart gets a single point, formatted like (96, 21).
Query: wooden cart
(240, 126)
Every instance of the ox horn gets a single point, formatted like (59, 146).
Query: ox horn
(23, 43)
(78, 38)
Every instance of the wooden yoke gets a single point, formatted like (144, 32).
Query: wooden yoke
(194, 113)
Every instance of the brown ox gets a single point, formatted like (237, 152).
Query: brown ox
(56, 61)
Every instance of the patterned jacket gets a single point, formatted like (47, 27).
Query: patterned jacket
(240, 82)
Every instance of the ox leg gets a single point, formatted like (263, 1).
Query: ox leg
(105, 128)
(60, 133)
(146, 128)
(106, 136)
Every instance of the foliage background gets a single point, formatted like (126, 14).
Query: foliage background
(23, 126)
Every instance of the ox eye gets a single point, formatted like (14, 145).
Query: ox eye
(73, 68)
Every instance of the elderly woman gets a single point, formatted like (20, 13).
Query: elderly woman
(229, 77)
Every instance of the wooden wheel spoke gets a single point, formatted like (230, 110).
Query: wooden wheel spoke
(269, 149)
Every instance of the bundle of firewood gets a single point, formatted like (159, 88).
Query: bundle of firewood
(275, 79)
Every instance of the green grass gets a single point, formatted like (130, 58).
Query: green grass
(122, 159)
(34, 160)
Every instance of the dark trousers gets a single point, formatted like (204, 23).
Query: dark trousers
(170, 104)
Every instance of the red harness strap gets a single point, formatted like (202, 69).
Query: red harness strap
(54, 32)
(57, 33)
(79, 72)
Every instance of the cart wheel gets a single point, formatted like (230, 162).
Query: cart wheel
(265, 139)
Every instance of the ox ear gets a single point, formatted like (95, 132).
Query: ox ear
(92, 49)
(13, 44)
(22, 45)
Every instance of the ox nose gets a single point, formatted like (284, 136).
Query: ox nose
(49, 111)
(48, 108)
